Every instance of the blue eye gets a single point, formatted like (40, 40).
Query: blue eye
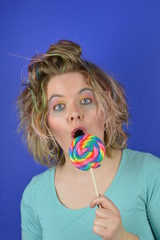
(86, 101)
(59, 107)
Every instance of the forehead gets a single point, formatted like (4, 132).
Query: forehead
(65, 83)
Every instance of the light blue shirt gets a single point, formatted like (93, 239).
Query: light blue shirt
(135, 190)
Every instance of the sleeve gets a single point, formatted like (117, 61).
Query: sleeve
(30, 226)
(153, 194)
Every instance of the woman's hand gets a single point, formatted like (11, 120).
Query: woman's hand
(108, 223)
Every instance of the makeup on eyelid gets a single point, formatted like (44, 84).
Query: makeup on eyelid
(86, 94)
(54, 102)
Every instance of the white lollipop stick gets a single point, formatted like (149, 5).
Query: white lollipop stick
(94, 182)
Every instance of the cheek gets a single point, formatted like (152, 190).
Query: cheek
(100, 118)
(53, 124)
(57, 128)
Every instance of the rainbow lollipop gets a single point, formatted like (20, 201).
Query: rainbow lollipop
(86, 152)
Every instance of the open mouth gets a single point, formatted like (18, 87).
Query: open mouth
(78, 132)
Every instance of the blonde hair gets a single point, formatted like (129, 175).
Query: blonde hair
(63, 57)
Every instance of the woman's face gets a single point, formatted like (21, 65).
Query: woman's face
(72, 106)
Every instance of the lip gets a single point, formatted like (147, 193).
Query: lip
(76, 129)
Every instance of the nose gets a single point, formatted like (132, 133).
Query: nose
(75, 117)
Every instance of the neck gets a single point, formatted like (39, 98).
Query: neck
(69, 169)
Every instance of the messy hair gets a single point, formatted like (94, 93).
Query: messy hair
(64, 57)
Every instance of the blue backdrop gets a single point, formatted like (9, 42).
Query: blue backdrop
(122, 37)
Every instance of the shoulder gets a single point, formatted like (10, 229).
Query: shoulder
(142, 169)
(141, 158)
(40, 179)
(146, 164)
(39, 185)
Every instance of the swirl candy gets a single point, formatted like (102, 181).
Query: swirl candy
(86, 152)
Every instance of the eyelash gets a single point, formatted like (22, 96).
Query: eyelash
(85, 103)
(60, 104)
(59, 107)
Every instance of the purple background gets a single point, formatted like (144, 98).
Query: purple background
(122, 37)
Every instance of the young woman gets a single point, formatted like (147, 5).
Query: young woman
(66, 96)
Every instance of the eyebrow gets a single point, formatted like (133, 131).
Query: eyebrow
(59, 95)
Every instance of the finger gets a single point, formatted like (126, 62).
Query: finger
(111, 222)
(103, 213)
(101, 222)
(104, 202)
(101, 231)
